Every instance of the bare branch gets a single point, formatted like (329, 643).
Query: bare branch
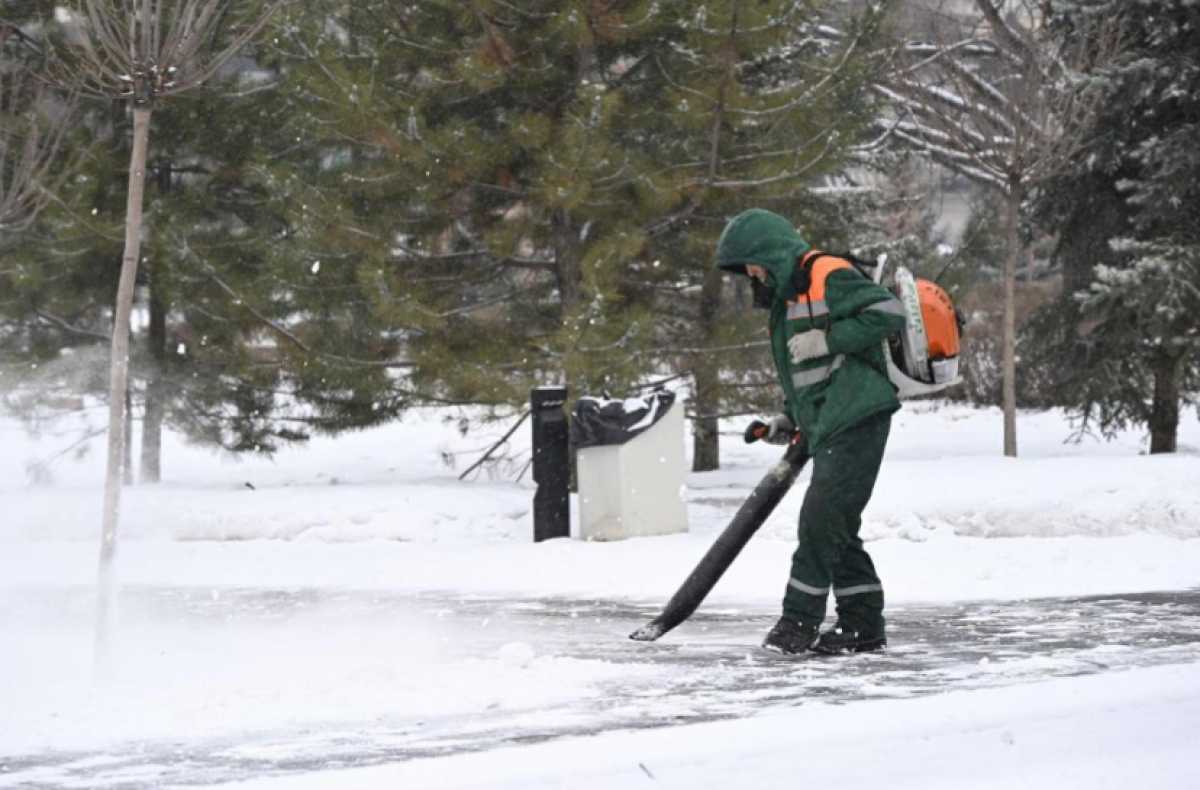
(145, 50)
(483, 459)
(1011, 122)
(30, 141)
(1010, 39)
(66, 326)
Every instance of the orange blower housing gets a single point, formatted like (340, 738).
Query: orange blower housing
(941, 320)
(924, 358)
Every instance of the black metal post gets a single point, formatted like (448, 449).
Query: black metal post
(551, 464)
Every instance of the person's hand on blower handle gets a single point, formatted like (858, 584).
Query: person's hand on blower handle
(780, 430)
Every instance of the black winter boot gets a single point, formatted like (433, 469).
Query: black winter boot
(790, 637)
(841, 639)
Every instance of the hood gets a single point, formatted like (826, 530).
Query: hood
(764, 238)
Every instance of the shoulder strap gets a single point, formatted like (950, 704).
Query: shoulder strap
(804, 271)
(802, 277)
(812, 270)
(865, 268)
(814, 267)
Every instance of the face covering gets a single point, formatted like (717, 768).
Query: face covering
(763, 294)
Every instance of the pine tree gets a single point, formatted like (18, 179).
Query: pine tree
(534, 192)
(208, 234)
(254, 340)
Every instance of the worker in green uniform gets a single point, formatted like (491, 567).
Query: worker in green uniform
(827, 323)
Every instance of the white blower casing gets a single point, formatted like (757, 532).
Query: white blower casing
(916, 374)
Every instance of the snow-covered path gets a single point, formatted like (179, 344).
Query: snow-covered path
(516, 650)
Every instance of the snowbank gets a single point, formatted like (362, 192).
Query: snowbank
(943, 472)
(380, 509)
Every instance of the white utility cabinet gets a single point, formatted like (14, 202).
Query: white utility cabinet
(637, 488)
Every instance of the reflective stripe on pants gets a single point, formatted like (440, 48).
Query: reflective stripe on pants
(842, 592)
(807, 588)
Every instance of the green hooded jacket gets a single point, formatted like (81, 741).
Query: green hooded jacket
(831, 393)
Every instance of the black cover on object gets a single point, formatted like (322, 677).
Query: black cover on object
(597, 421)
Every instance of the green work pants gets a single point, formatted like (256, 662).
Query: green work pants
(831, 555)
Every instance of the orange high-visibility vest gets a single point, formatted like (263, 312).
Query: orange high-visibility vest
(812, 303)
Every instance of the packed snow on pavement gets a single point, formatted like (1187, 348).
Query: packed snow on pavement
(345, 587)
(1098, 732)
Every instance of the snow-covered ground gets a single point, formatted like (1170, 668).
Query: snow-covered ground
(1137, 730)
(337, 595)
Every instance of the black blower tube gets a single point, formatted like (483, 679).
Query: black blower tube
(750, 516)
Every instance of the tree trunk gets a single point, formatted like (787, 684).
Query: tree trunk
(156, 395)
(1009, 340)
(127, 476)
(1164, 411)
(569, 274)
(706, 448)
(119, 377)
(567, 257)
(155, 410)
(706, 373)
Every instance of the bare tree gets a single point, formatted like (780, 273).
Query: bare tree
(996, 100)
(143, 51)
(31, 135)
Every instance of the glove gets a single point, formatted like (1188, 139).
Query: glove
(779, 430)
(808, 345)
